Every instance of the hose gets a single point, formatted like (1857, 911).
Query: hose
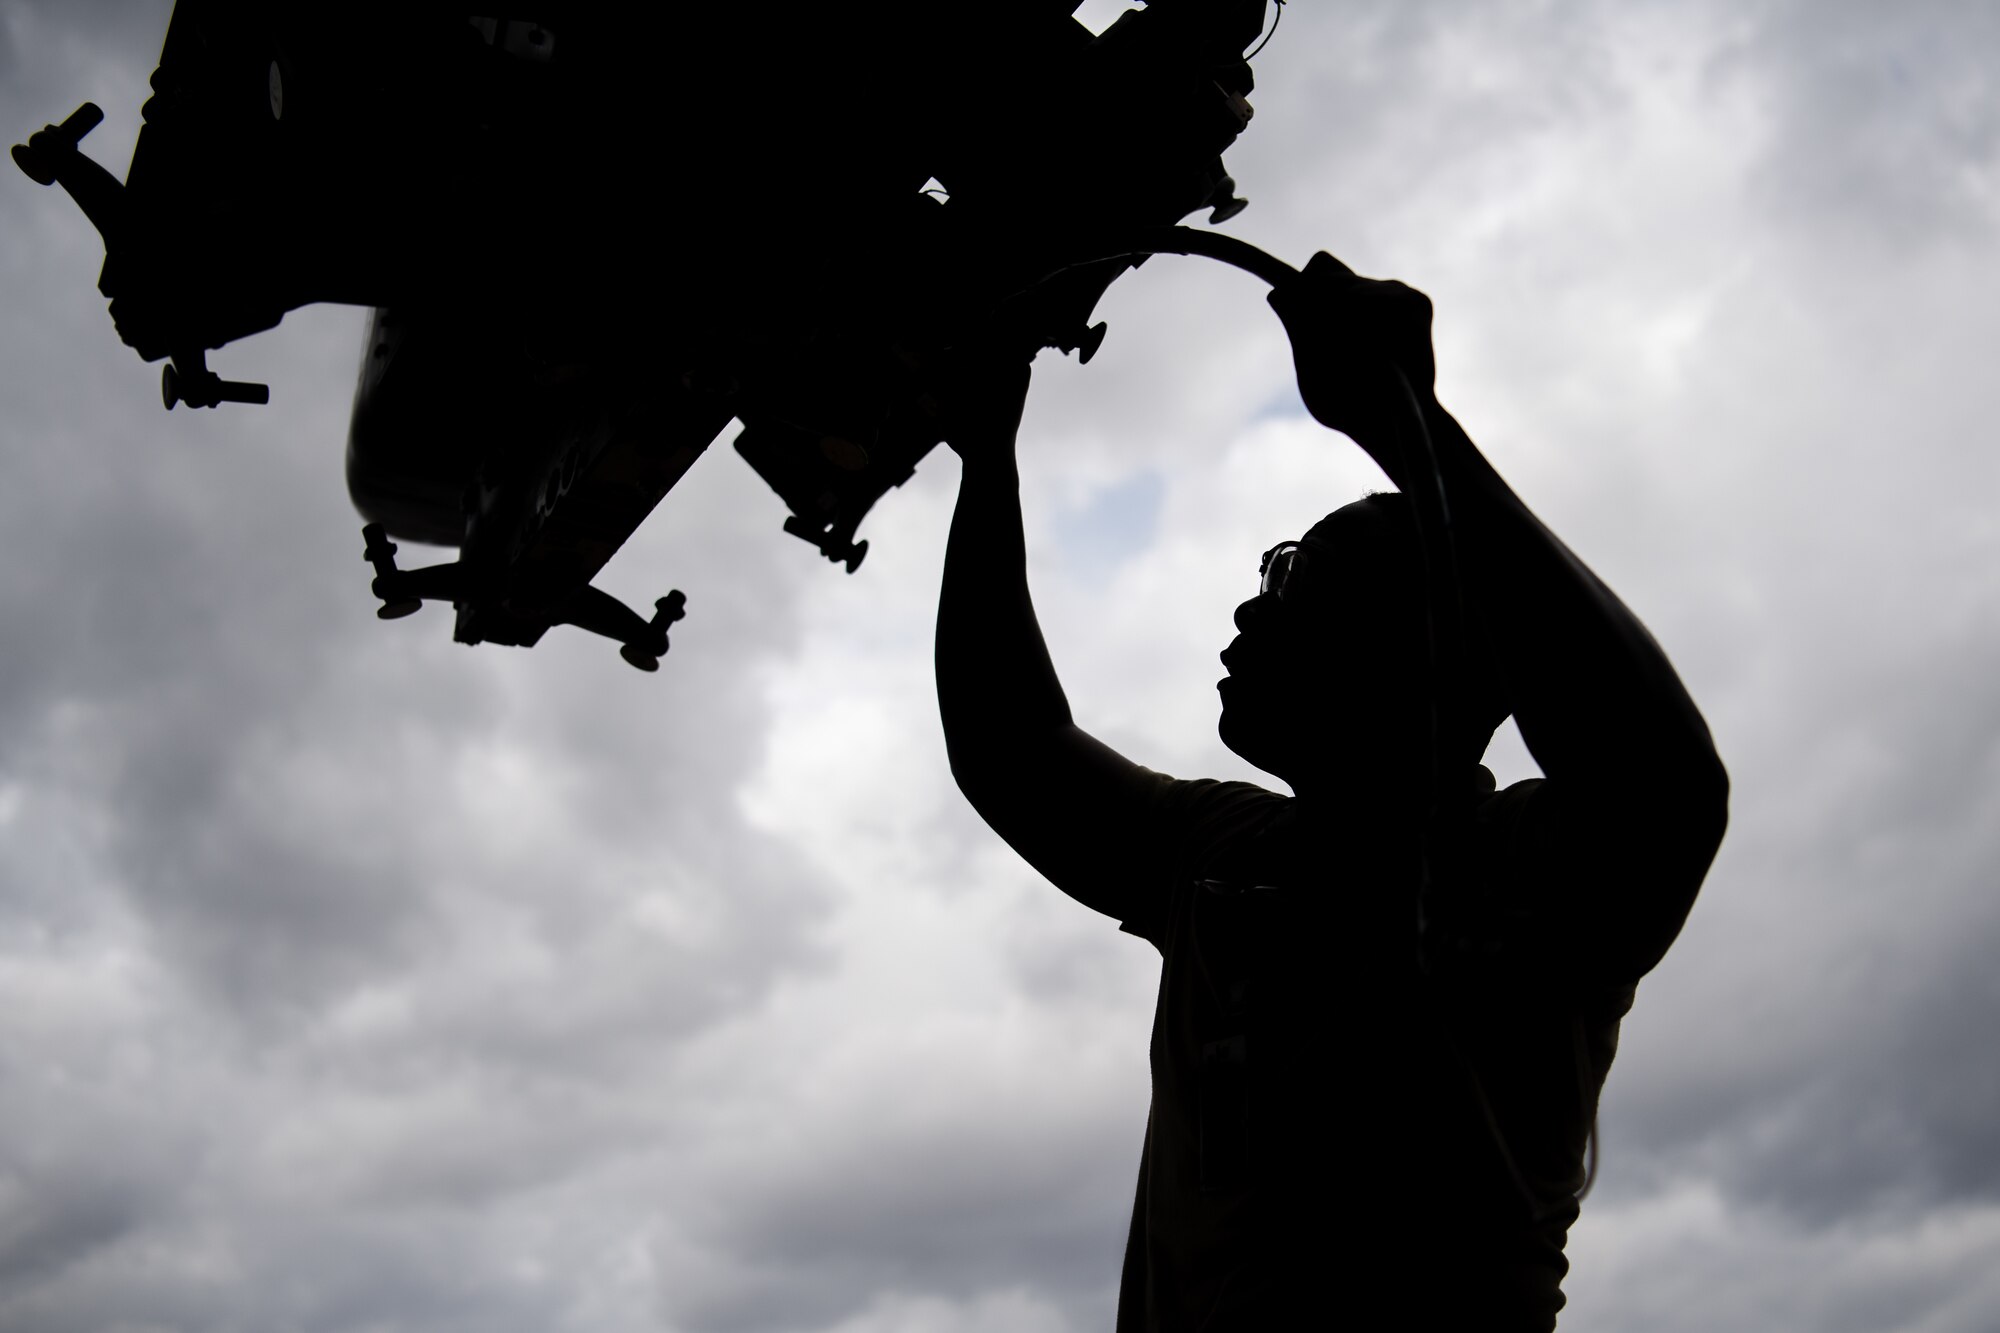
(1444, 603)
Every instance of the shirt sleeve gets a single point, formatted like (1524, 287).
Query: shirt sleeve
(1539, 901)
(1186, 827)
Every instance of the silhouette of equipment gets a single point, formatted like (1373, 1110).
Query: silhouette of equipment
(198, 386)
(403, 592)
(49, 152)
(581, 242)
(842, 549)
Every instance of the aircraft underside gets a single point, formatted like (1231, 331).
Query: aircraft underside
(594, 236)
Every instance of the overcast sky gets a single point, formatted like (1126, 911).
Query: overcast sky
(354, 980)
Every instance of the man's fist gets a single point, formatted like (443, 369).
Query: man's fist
(1357, 342)
(979, 393)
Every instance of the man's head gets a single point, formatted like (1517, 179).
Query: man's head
(1329, 676)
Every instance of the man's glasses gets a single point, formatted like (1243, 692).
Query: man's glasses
(1277, 568)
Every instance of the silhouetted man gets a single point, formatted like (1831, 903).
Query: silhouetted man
(1371, 1099)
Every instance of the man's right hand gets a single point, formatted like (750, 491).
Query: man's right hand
(980, 395)
(1356, 342)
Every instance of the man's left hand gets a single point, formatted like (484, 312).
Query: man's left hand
(1362, 347)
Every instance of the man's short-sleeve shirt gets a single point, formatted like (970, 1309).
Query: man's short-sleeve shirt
(1352, 1114)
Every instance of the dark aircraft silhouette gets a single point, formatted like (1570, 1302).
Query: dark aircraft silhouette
(593, 235)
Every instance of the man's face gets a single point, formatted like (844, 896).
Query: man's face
(1323, 667)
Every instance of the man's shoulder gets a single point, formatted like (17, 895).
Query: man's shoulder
(1197, 819)
(1210, 799)
(1544, 880)
(1192, 827)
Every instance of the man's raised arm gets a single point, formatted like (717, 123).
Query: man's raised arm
(1637, 798)
(1067, 803)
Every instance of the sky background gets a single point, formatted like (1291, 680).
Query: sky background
(354, 980)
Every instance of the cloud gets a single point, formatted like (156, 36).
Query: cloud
(1823, 1067)
(1886, 128)
(348, 977)
(1688, 1259)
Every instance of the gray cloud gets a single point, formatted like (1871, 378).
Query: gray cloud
(1850, 1079)
(1885, 124)
(351, 978)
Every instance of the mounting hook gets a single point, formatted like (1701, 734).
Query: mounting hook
(380, 552)
(834, 546)
(198, 386)
(42, 156)
(645, 653)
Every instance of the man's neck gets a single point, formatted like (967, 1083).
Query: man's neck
(1387, 800)
(1394, 799)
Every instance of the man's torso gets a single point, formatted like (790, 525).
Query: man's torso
(1336, 1125)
